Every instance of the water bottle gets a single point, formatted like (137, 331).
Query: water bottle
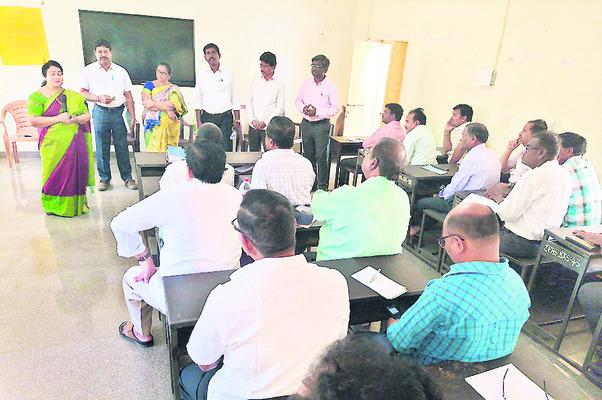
(245, 186)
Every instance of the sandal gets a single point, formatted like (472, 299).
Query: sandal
(133, 338)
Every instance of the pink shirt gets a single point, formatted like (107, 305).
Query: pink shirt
(323, 96)
(393, 130)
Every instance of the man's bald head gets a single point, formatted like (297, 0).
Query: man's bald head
(473, 221)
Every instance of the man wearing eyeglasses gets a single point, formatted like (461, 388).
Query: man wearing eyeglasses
(194, 219)
(476, 311)
(317, 101)
(274, 317)
(538, 201)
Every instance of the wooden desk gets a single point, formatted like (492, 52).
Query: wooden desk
(343, 146)
(185, 297)
(555, 248)
(418, 181)
(531, 358)
(148, 185)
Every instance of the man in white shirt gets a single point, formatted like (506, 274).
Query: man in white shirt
(281, 169)
(177, 172)
(272, 319)
(109, 87)
(317, 101)
(265, 102)
(452, 133)
(418, 141)
(216, 96)
(511, 158)
(479, 169)
(538, 201)
(194, 219)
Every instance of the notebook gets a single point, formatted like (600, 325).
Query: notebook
(387, 288)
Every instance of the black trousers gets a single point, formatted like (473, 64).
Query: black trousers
(315, 148)
(225, 121)
(256, 139)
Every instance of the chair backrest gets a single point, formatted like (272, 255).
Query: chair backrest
(18, 110)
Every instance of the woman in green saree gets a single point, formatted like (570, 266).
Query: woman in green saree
(65, 144)
(163, 106)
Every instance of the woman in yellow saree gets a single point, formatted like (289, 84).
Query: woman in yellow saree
(163, 106)
(65, 144)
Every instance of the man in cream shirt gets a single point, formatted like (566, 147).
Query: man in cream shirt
(452, 134)
(418, 142)
(272, 319)
(195, 222)
(511, 159)
(538, 201)
(265, 102)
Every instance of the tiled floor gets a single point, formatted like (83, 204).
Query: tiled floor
(61, 301)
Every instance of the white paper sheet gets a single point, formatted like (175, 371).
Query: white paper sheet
(517, 386)
(475, 198)
(387, 288)
(434, 169)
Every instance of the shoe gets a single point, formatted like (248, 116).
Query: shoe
(131, 184)
(102, 186)
(131, 336)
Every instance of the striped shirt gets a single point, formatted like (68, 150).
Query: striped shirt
(473, 313)
(584, 204)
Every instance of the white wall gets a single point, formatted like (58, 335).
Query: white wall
(294, 31)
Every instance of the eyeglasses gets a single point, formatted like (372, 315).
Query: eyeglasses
(545, 389)
(316, 66)
(530, 147)
(441, 240)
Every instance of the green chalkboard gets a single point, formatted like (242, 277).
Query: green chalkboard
(140, 42)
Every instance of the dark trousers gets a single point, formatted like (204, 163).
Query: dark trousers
(429, 203)
(344, 164)
(315, 148)
(256, 139)
(517, 246)
(108, 122)
(225, 122)
(590, 298)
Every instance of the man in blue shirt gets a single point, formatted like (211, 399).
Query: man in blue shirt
(476, 311)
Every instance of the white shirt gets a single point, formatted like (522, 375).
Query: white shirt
(480, 168)
(112, 82)
(538, 201)
(456, 137)
(515, 161)
(420, 146)
(195, 222)
(216, 91)
(285, 172)
(177, 172)
(271, 322)
(266, 100)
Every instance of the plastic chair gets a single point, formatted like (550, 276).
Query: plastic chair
(24, 131)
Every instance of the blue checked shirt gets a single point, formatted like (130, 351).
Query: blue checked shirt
(473, 313)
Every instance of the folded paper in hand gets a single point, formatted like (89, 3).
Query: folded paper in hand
(382, 285)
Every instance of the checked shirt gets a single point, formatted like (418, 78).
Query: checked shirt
(584, 205)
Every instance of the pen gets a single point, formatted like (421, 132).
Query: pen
(375, 275)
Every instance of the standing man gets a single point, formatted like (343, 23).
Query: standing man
(318, 101)
(109, 86)
(452, 134)
(266, 101)
(217, 99)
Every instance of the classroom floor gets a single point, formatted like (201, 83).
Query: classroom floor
(62, 301)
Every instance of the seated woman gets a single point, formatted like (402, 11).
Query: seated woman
(65, 144)
(163, 106)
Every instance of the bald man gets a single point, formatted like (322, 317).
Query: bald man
(474, 312)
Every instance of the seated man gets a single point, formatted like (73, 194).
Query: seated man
(418, 142)
(194, 218)
(272, 319)
(391, 115)
(479, 169)
(538, 201)
(511, 159)
(354, 368)
(370, 219)
(474, 312)
(281, 169)
(177, 171)
(452, 133)
(584, 204)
